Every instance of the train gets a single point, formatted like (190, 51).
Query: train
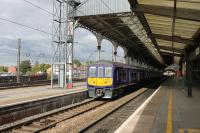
(107, 79)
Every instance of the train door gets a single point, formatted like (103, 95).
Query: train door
(100, 75)
(138, 76)
(130, 75)
(134, 76)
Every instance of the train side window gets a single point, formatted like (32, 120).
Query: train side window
(119, 75)
(108, 71)
(134, 74)
(100, 71)
(124, 75)
(92, 71)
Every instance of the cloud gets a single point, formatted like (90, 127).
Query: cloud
(34, 43)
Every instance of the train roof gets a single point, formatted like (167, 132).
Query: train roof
(117, 64)
(106, 62)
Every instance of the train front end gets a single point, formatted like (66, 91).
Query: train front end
(100, 81)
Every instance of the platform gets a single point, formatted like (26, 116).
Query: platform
(167, 110)
(18, 95)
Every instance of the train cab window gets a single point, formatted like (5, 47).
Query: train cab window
(92, 71)
(100, 71)
(108, 71)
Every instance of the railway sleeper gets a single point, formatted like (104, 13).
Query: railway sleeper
(58, 118)
(67, 116)
(39, 124)
(28, 128)
(47, 121)
(21, 131)
(51, 120)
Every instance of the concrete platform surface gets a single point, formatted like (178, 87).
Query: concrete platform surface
(167, 110)
(17, 95)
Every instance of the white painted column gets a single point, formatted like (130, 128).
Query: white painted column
(99, 41)
(114, 51)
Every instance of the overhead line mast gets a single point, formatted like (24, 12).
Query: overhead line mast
(62, 41)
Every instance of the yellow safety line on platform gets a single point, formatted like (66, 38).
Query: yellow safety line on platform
(169, 115)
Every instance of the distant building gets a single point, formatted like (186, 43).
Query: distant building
(79, 72)
(12, 69)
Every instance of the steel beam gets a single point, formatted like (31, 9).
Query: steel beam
(197, 34)
(134, 5)
(171, 49)
(171, 54)
(122, 35)
(181, 13)
(175, 39)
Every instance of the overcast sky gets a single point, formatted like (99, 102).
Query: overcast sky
(36, 44)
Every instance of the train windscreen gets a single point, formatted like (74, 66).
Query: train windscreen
(108, 72)
(100, 71)
(92, 71)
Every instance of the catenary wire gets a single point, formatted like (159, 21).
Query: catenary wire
(26, 26)
(30, 3)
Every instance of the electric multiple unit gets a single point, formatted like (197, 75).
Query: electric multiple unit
(108, 79)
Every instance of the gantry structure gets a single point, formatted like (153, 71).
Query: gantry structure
(153, 33)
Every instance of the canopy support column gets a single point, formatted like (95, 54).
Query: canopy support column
(189, 75)
(114, 51)
(99, 41)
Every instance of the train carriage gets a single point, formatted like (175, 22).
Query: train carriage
(108, 79)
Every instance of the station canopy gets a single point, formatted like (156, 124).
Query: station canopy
(153, 31)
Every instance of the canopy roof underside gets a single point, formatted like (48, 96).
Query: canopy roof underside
(147, 30)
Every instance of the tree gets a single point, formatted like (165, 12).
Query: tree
(29, 73)
(36, 68)
(77, 62)
(44, 67)
(88, 62)
(3, 69)
(25, 66)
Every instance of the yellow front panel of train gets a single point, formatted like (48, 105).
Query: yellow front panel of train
(100, 81)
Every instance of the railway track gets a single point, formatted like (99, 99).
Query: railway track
(50, 119)
(84, 121)
(21, 85)
(110, 123)
(30, 84)
(86, 114)
(80, 117)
